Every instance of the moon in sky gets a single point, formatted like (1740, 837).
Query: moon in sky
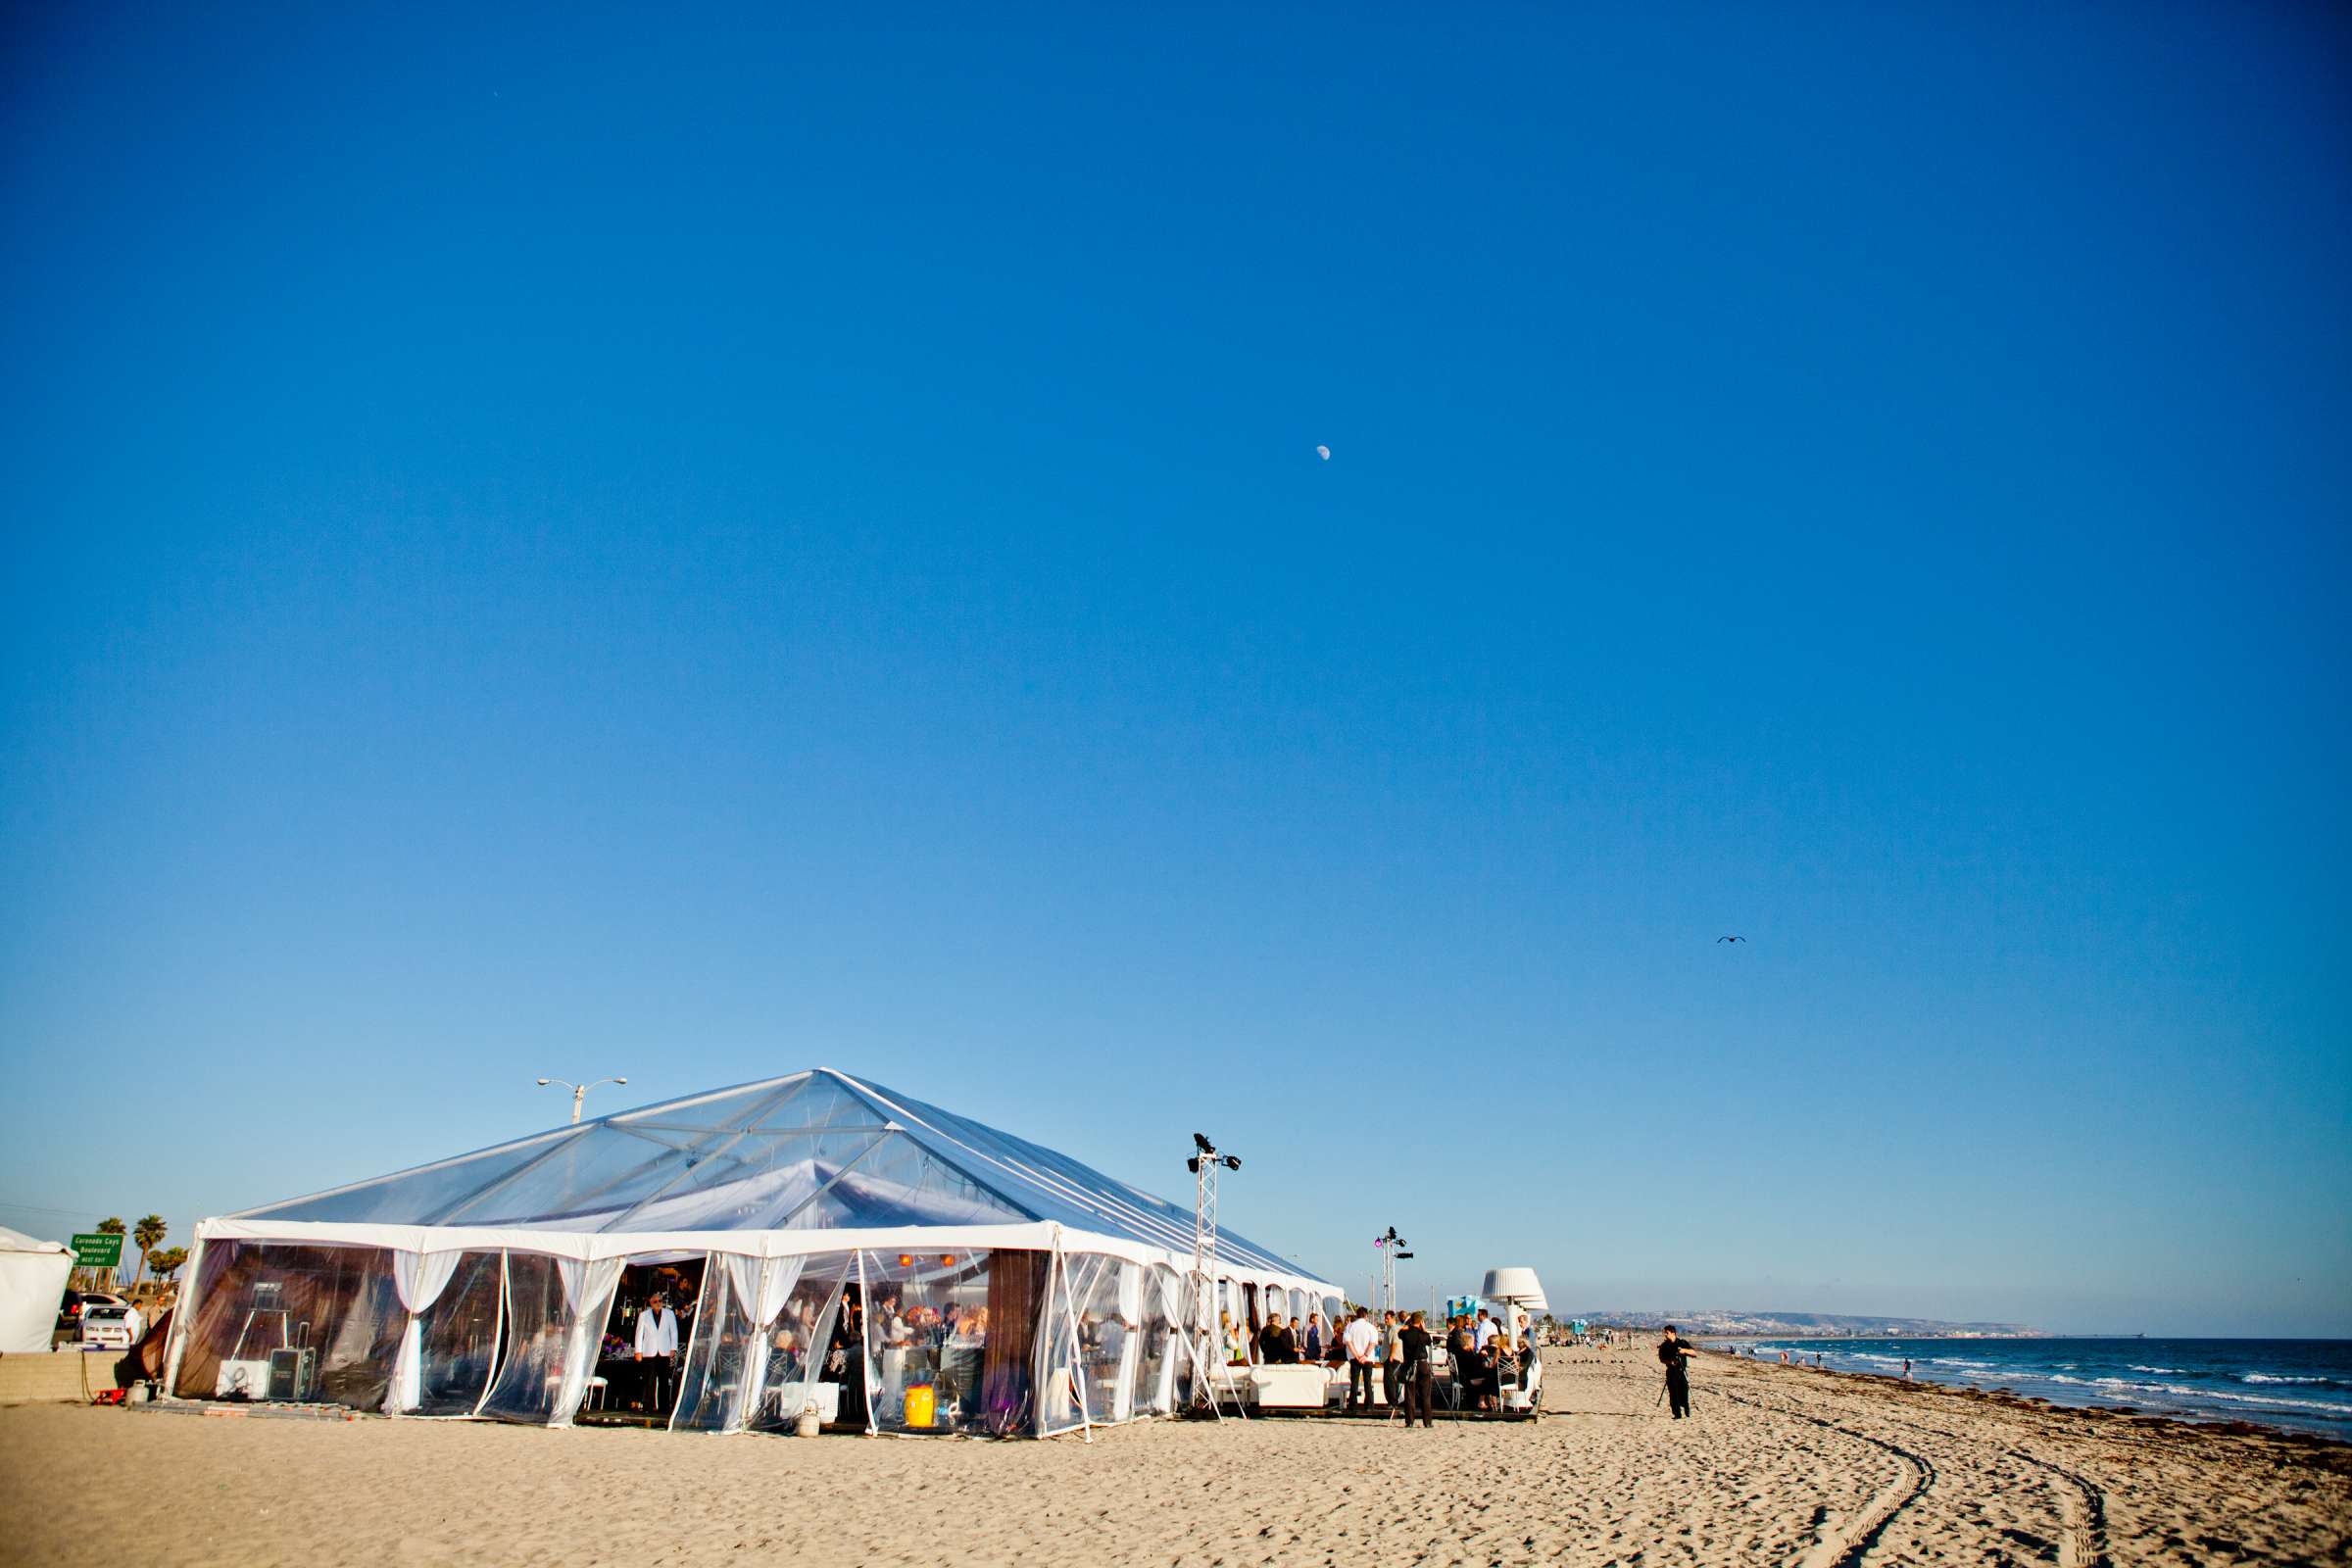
(1324, 453)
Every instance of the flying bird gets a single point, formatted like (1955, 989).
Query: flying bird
(1731, 939)
(1324, 453)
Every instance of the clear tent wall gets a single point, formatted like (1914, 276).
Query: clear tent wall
(893, 1266)
(1000, 1341)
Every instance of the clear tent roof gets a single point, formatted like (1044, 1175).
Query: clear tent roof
(813, 1150)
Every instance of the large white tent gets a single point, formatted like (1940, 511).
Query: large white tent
(482, 1286)
(32, 1285)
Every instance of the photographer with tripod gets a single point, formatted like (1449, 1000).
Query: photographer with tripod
(1675, 1355)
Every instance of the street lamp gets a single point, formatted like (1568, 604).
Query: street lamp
(580, 1092)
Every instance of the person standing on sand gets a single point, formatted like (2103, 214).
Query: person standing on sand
(1361, 1340)
(1675, 1356)
(1413, 1340)
(1391, 1357)
(1906, 1369)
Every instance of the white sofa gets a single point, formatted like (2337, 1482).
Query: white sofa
(1288, 1388)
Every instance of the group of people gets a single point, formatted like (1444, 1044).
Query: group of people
(1485, 1357)
(913, 1343)
(1488, 1359)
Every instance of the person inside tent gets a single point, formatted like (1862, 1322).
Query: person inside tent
(1276, 1346)
(656, 1349)
(845, 1356)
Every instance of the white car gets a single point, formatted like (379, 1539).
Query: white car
(111, 1328)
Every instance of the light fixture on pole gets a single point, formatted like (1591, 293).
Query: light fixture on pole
(1392, 1249)
(580, 1092)
(1204, 1164)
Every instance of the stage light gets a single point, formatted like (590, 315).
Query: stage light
(1203, 1144)
(946, 1260)
(906, 1260)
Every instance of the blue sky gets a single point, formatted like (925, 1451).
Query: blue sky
(700, 548)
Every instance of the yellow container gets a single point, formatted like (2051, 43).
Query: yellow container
(923, 1406)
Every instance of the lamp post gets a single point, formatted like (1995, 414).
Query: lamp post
(580, 1092)
(1204, 1164)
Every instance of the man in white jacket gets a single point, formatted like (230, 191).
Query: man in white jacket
(1363, 1342)
(656, 1349)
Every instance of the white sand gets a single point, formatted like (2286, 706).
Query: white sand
(1777, 1466)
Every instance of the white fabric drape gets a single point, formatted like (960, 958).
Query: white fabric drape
(1131, 1343)
(743, 1281)
(1183, 1344)
(1131, 1295)
(588, 1288)
(762, 1285)
(419, 1278)
(865, 1347)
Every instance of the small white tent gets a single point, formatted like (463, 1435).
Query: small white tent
(32, 1282)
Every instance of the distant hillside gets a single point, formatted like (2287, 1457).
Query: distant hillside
(1702, 1320)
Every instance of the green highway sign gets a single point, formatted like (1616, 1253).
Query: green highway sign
(97, 1249)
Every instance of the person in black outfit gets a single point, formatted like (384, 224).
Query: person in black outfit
(1675, 1356)
(845, 1358)
(1415, 1378)
(1276, 1346)
(1461, 1347)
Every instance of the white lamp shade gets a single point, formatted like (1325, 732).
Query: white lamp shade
(1518, 1285)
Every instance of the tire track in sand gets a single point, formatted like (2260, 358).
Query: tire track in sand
(2081, 1501)
(1849, 1546)
(2085, 1544)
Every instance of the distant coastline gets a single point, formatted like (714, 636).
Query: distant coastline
(1717, 1323)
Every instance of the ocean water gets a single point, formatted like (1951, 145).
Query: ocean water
(2302, 1385)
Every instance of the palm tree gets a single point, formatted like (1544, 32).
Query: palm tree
(149, 1232)
(112, 1225)
(167, 1263)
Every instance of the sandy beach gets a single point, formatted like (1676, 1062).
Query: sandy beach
(1776, 1465)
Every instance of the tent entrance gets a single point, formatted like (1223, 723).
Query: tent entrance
(641, 1363)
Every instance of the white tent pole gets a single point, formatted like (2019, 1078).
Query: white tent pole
(182, 1318)
(498, 1332)
(751, 1380)
(865, 1328)
(701, 1304)
(1069, 1312)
